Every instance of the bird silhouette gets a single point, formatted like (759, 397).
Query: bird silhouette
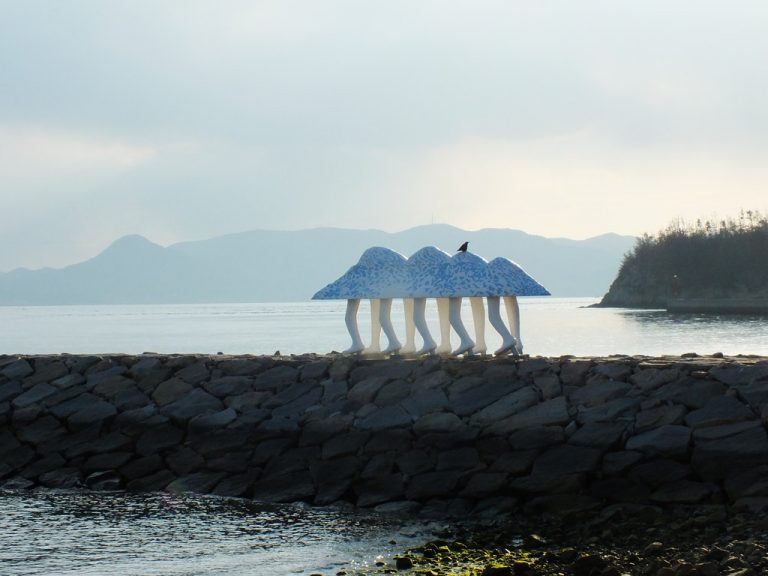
(463, 247)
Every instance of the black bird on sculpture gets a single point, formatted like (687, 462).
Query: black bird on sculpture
(463, 247)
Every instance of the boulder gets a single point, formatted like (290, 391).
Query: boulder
(9, 390)
(573, 372)
(374, 491)
(238, 485)
(183, 460)
(344, 444)
(611, 411)
(718, 411)
(94, 413)
(290, 487)
(670, 440)
(484, 484)
(438, 422)
(620, 490)
(536, 438)
(385, 418)
(545, 414)
(659, 416)
(17, 370)
(601, 435)
(393, 392)
(194, 373)
(716, 459)
(515, 463)
(228, 386)
(195, 403)
(196, 482)
(276, 378)
(213, 421)
(365, 391)
(548, 385)
(659, 472)
(425, 402)
(34, 395)
(159, 439)
(597, 392)
(616, 463)
(506, 406)
(41, 430)
(46, 372)
(470, 394)
(565, 460)
(171, 391)
(682, 492)
(432, 485)
(653, 378)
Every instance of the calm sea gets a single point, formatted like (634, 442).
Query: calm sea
(550, 327)
(66, 533)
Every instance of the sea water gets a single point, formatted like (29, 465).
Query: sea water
(60, 533)
(549, 327)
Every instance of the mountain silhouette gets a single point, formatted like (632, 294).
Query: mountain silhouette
(282, 266)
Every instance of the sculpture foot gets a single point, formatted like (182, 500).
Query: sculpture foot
(372, 350)
(506, 348)
(519, 348)
(464, 348)
(392, 348)
(411, 349)
(354, 349)
(443, 350)
(479, 350)
(428, 348)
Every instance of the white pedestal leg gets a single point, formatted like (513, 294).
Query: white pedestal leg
(393, 344)
(375, 346)
(478, 319)
(410, 327)
(420, 320)
(351, 320)
(445, 326)
(494, 316)
(513, 315)
(454, 313)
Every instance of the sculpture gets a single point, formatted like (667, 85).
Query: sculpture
(382, 274)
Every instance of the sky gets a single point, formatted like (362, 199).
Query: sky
(184, 120)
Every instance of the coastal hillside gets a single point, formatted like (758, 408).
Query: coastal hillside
(284, 266)
(705, 260)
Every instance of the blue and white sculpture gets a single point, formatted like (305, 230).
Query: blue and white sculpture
(382, 274)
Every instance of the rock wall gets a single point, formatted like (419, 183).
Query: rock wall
(456, 435)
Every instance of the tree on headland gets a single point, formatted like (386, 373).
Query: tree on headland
(714, 258)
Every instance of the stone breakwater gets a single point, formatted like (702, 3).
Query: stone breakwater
(455, 436)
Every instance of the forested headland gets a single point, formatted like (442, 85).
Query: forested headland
(710, 259)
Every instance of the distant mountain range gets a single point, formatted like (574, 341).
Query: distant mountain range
(275, 266)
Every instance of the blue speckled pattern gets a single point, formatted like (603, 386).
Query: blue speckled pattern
(430, 273)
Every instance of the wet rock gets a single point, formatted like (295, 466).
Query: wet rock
(152, 483)
(398, 439)
(197, 482)
(682, 492)
(484, 484)
(716, 459)
(108, 461)
(47, 464)
(291, 487)
(374, 491)
(516, 462)
(458, 459)
(61, 478)
(432, 485)
(106, 480)
(142, 467)
(184, 460)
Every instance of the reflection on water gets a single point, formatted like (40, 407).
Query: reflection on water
(68, 533)
(550, 327)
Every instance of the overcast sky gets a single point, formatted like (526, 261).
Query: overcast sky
(182, 120)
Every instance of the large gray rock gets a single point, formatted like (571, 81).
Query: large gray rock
(565, 460)
(241, 366)
(601, 435)
(374, 491)
(365, 391)
(291, 487)
(152, 483)
(467, 458)
(159, 439)
(515, 463)
(614, 370)
(298, 407)
(620, 490)
(194, 373)
(724, 431)
(292, 393)
(425, 402)
(95, 413)
(276, 378)
(318, 431)
(48, 463)
(470, 394)
(228, 386)
(652, 378)
(17, 370)
(66, 408)
(573, 372)
(171, 391)
(536, 438)
(437, 380)
(344, 444)
(213, 421)
(548, 385)
(716, 459)
(63, 478)
(739, 374)
(195, 403)
(108, 461)
(399, 439)
(484, 484)
(182, 460)
(68, 381)
(142, 467)
(659, 416)
(718, 411)
(598, 392)
(690, 392)
(432, 485)
(334, 478)
(384, 418)
(247, 402)
(547, 413)
(438, 422)
(682, 492)
(33, 395)
(610, 411)
(46, 372)
(659, 472)
(615, 463)
(668, 440)
(238, 485)
(9, 390)
(506, 406)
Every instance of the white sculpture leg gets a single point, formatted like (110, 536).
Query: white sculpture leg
(513, 315)
(478, 319)
(454, 313)
(375, 346)
(351, 319)
(393, 344)
(420, 320)
(443, 313)
(410, 328)
(494, 316)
